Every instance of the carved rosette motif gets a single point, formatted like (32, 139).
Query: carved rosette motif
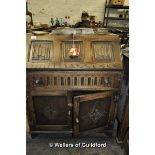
(51, 113)
(95, 114)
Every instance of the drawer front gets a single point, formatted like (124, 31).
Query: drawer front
(74, 80)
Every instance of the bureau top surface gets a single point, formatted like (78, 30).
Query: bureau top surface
(73, 52)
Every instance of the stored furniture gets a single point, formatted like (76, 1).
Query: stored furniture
(123, 107)
(123, 132)
(109, 20)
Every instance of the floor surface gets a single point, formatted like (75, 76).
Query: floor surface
(40, 146)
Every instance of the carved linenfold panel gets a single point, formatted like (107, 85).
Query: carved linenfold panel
(67, 45)
(84, 52)
(40, 51)
(103, 51)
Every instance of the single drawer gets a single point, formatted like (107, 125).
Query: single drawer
(74, 80)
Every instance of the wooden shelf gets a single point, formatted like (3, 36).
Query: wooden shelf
(108, 19)
(111, 27)
(116, 18)
(117, 7)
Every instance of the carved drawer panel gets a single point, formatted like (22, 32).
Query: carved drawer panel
(40, 51)
(74, 80)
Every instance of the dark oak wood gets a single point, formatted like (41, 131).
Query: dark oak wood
(74, 80)
(67, 95)
(47, 52)
(49, 111)
(94, 113)
(124, 125)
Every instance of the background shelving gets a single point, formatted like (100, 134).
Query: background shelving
(117, 22)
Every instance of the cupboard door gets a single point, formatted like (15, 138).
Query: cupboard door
(94, 113)
(50, 112)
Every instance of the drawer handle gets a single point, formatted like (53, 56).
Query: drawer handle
(76, 120)
(69, 113)
(106, 81)
(37, 81)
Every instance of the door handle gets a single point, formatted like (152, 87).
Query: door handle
(69, 112)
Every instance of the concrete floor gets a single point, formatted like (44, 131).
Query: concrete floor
(40, 146)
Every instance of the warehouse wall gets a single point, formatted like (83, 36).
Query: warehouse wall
(43, 10)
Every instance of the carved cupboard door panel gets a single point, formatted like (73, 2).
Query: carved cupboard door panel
(94, 113)
(50, 111)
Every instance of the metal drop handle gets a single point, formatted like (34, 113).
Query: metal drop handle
(76, 120)
(69, 113)
(106, 80)
(37, 81)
